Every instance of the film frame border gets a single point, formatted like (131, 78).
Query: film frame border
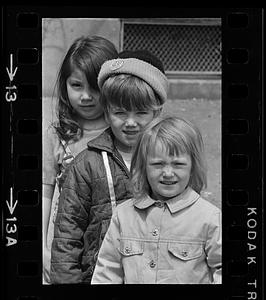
(241, 152)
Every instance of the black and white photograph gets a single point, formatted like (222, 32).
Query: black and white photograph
(131, 151)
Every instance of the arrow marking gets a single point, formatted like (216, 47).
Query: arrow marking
(10, 72)
(10, 205)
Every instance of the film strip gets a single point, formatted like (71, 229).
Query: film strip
(242, 173)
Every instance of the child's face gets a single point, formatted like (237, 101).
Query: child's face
(168, 176)
(126, 125)
(83, 99)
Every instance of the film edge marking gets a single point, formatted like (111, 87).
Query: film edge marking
(11, 228)
(251, 235)
(11, 94)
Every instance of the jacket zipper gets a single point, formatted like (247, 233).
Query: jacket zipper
(122, 164)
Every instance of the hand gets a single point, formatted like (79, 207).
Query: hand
(46, 265)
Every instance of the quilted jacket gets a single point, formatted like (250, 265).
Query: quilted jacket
(85, 210)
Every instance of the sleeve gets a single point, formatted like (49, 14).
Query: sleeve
(70, 225)
(51, 155)
(214, 247)
(108, 269)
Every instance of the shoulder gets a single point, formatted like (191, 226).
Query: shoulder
(126, 204)
(49, 131)
(208, 213)
(126, 214)
(208, 206)
(88, 161)
(91, 156)
(103, 142)
(84, 156)
(84, 141)
(51, 143)
(125, 207)
(50, 135)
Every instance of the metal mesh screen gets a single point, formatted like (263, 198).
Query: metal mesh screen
(189, 48)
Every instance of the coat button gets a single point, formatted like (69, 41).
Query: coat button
(184, 253)
(159, 204)
(155, 232)
(152, 264)
(127, 250)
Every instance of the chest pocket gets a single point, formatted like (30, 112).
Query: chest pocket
(131, 247)
(185, 251)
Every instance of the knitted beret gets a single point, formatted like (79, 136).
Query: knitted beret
(140, 63)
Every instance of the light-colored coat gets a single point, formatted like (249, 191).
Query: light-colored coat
(177, 241)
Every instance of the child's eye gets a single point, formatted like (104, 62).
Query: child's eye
(119, 113)
(76, 85)
(142, 112)
(178, 164)
(157, 164)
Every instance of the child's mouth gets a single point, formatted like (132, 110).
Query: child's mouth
(168, 182)
(130, 132)
(88, 106)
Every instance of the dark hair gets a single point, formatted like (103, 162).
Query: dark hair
(86, 54)
(144, 55)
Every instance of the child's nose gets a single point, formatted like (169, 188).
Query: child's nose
(86, 96)
(130, 121)
(167, 171)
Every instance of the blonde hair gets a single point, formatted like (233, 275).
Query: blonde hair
(129, 92)
(178, 136)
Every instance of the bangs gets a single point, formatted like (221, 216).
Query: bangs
(172, 143)
(85, 65)
(130, 93)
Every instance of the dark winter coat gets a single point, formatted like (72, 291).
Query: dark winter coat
(85, 211)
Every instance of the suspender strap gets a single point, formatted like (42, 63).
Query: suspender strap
(109, 180)
(66, 148)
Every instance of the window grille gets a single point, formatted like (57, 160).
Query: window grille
(181, 47)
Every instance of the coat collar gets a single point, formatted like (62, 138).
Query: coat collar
(187, 198)
(103, 142)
